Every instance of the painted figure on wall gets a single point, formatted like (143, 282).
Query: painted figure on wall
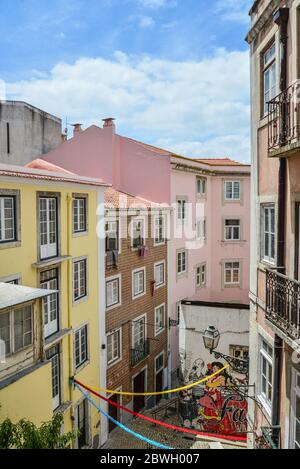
(219, 405)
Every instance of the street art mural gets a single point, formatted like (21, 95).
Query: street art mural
(217, 406)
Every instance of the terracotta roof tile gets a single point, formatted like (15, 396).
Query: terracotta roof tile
(118, 199)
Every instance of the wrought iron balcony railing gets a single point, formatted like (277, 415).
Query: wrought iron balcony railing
(284, 120)
(140, 352)
(270, 438)
(283, 303)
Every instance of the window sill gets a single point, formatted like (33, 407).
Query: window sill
(81, 367)
(48, 262)
(157, 287)
(156, 334)
(110, 308)
(63, 408)
(112, 364)
(10, 244)
(51, 340)
(80, 300)
(163, 243)
(135, 297)
(78, 234)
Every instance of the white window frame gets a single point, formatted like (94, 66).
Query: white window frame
(201, 181)
(269, 64)
(3, 239)
(110, 221)
(264, 355)
(232, 283)
(158, 264)
(181, 209)
(142, 293)
(76, 206)
(118, 358)
(77, 261)
(11, 326)
(86, 361)
(267, 256)
(115, 278)
(180, 252)
(158, 331)
(143, 231)
(201, 229)
(48, 250)
(200, 283)
(135, 320)
(232, 182)
(156, 228)
(231, 229)
(294, 394)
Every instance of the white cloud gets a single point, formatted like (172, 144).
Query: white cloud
(146, 22)
(157, 3)
(196, 108)
(234, 10)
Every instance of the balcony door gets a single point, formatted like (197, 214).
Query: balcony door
(48, 227)
(49, 281)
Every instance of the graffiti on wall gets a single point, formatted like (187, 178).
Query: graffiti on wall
(217, 406)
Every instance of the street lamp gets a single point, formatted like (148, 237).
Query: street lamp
(211, 339)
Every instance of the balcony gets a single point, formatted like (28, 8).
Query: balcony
(283, 303)
(284, 122)
(270, 438)
(140, 352)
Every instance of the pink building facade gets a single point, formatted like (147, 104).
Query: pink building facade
(203, 265)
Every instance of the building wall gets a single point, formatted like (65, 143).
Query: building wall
(264, 190)
(120, 375)
(19, 260)
(32, 132)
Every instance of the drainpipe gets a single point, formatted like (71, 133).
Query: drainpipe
(281, 17)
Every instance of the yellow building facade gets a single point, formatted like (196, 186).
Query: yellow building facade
(48, 240)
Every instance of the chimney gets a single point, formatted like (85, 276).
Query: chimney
(77, 129)
(109, 122)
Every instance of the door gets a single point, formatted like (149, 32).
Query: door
(49, 281)
(48, 227)
(82, 424)
(139, 386)
(159, 385)
(297, 242)
(53, 356)
(114, 412)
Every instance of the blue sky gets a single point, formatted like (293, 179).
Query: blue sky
(172, 72)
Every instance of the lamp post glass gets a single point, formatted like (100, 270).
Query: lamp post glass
(211, 338)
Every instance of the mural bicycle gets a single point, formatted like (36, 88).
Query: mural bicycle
(219, 405)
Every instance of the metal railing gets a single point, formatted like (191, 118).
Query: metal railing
(283, 303)
(140, 352)
(284, 118)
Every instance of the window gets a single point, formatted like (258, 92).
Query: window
(49, 280)
(232, 273)
(232, 230)
(139, 332)
(113, 347)
(112, 236)
(232, 190)
(201, 275)
(139, 282)
(53, 355)
(269, 76)
(79, 279)
(79, 214)
(7, 219)
(16, 329)
(201, 187)
(266, 373)
(159, 273)
(138, 232)
(159, 362)
(159, 319)
(181, 209)
(239, 351)
(113, 292)
(48, 227)
(181, 262)
(268, 233)
(81, 346)
(159, 230)
(201, 229)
